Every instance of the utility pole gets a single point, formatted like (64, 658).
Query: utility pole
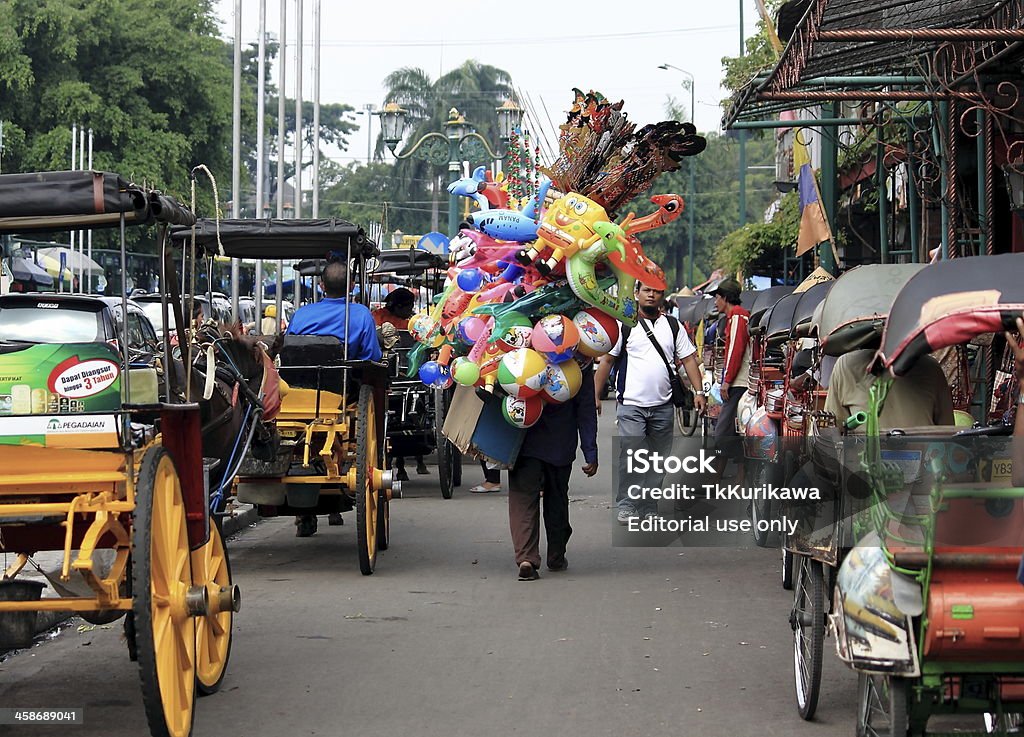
(236, 152)
(743, 140)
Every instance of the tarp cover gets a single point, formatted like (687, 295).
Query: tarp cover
(405, 262)
(805, 308)
(951, 302)
(270, 238)
(780, 323)
(63, 200)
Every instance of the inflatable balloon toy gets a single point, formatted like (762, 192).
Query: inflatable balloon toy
(522, 412)
(521, 373)
(566, 228)
(555, 337)
(511, 225)
(482, 189)
(598, 332)
(562, 382)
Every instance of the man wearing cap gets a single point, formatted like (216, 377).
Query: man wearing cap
(644, 414)
(737, 356)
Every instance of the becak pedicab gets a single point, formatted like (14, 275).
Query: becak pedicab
(331, 426)
(852, 316)
(929, 608)
(107, 462)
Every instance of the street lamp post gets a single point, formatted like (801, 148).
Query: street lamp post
(693, 177)
(458, 141)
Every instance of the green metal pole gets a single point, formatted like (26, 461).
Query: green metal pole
(453, 174)
(882, 177)
(983, 224)
(743, 141)
(944, 183)
(829, 169)
(913, 200)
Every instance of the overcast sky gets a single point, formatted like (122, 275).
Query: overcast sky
(612, 46)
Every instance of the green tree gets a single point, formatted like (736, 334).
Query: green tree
(155, 88)
(370, 193)
(715, 202)
(475, 89)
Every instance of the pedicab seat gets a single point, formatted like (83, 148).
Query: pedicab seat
(303, 358)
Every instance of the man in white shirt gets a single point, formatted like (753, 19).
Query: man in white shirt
(644, 410)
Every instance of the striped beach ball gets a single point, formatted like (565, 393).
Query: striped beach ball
(522, 412)
(562, 381)
(521, 373)
(556, 337)
(598, 332)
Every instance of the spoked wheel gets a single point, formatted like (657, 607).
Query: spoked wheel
(211, 569)
(882, 703)
(165, 633)
(367, 459)
(808, 622)
(445, 450)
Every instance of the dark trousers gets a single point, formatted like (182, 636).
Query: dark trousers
(491, 475)
(727, 440)
(526, 479)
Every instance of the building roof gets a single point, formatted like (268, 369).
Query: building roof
(921, 42)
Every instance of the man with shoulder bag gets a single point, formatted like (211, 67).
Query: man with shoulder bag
(648, 388)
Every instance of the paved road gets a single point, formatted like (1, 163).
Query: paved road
(442, 640)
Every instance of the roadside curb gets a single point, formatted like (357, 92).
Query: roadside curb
(243, 517)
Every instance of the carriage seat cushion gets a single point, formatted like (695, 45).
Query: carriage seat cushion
(311, 350)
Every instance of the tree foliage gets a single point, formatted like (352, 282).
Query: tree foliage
(154, 87)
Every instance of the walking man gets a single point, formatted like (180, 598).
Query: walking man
(646, 357)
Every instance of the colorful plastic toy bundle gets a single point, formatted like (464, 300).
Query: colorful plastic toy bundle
(536, 294)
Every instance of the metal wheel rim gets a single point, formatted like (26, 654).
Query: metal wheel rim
(213, 632)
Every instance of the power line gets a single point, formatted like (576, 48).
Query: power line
(529, 41)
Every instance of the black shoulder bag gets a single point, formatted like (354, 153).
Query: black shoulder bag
(680, 397)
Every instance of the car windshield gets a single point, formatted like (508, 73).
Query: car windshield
(154, 311)
(56, 324)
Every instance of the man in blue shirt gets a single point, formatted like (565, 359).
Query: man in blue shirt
(327, 317)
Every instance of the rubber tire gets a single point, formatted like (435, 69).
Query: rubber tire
(212, 686)
(367, 458)
(445, 450)
(765, 473)
(684, 416)
(142, 599)
(808, 598)
(896, 705)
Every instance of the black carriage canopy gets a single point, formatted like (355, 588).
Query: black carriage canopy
(273, 239)
(809, 301)
(780, 322)
(693, 313)
(854, 312)
(950, 302)
(81, 200)
(405, 262)
(767, 298)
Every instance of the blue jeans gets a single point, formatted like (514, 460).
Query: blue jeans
(647, 427)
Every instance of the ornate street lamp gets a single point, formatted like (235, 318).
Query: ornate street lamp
(458, 142)
(1014, 173)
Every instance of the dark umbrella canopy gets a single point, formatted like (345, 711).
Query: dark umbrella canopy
(809, 302)
(23, 269)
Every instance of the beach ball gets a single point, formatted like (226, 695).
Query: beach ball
(556, 337)
(465, 372)
(515, 332)
(598, 332)
(562, 381)
(521, 372)
(420, 326)
(522, 412)
(469, 329)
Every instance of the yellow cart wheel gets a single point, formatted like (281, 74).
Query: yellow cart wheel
(165, 633)
(211, 569)
(366, 497)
